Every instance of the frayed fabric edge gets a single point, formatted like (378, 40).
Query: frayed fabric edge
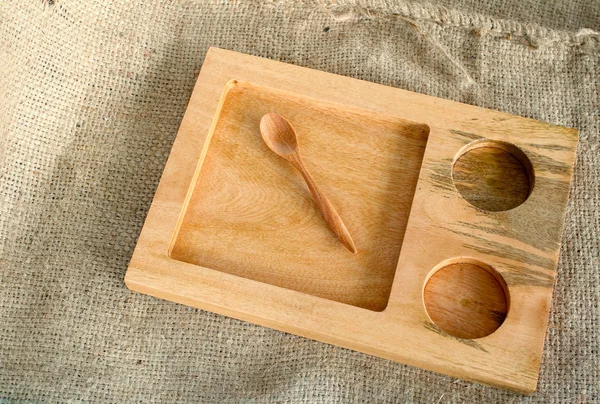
(531, 35)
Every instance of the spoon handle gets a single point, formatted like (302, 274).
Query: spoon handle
(327, 210)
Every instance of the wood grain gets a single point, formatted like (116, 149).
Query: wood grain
(466, 300)
(252, 216)
(280, 136)
(493, 176)
(233, 231)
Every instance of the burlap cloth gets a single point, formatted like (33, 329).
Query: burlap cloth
(91, 96)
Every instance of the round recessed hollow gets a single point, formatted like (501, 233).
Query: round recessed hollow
(492, 175)
(466, 298)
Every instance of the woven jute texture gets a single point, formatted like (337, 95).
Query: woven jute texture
(91, 96)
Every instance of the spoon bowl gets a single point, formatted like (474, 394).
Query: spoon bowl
(279, 134)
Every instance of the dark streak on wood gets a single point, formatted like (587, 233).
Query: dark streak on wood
(515, 254)
(527, 233)
(555, 166)
(525, 276)
(440, 175)
(506, 251)
(536, 226)
(469, 342)
(550, 165)
(552, 147)
(498, 316)
(470, 136)
(530, 272)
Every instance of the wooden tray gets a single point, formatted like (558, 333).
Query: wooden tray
(456, 211)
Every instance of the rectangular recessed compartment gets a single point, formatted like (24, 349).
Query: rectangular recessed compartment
(250, 213)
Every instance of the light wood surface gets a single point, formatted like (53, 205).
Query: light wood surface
(493, 176)
(234, 231)
(280, 136)
(466, 299)
(252, 215)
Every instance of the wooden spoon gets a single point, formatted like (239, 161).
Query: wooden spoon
(279, 135)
